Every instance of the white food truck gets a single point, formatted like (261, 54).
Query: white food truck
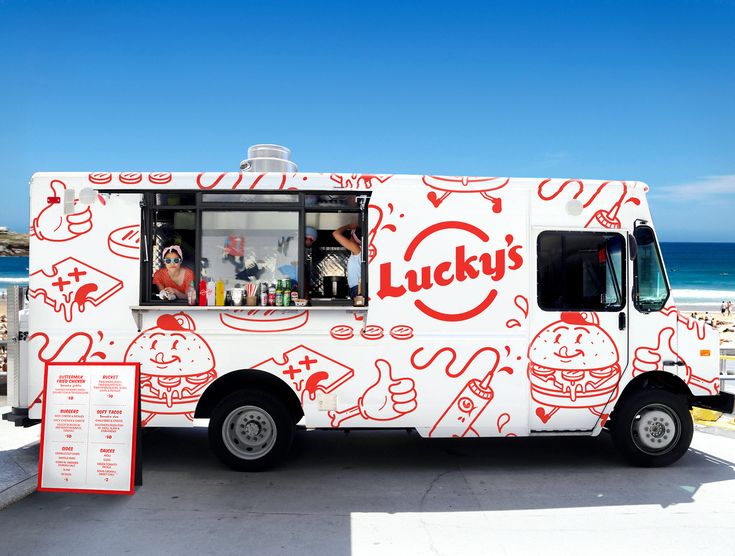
(456, 306)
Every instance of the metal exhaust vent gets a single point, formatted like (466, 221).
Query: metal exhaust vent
(268, 158)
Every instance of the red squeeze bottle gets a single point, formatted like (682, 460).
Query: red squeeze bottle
(203, 293)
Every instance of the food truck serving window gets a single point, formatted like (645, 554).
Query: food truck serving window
(650, 291)
(581, 271)
(250, 247)
(250, 241)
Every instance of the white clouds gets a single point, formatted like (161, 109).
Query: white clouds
(708, 188)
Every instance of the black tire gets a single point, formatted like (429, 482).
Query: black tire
(250, 430)
(652, 428)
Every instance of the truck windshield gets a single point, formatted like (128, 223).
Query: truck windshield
(651, 289)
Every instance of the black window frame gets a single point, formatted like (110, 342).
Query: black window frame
(149, 207)
(622, 281)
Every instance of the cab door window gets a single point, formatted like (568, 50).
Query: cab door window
(581, 271)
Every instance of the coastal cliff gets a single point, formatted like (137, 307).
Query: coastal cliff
(13, 244)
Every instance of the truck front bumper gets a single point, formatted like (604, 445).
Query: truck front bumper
(724, 402)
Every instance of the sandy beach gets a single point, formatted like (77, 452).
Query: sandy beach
(723, 323)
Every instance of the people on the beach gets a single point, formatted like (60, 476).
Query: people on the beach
(723, 308)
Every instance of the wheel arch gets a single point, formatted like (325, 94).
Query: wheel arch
(653, 380)
(248, 379)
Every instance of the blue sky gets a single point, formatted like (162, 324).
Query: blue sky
(613, 90)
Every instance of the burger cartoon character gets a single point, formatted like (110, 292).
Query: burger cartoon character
(573, 363)
(176, 365)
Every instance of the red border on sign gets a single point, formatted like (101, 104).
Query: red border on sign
(136, 387)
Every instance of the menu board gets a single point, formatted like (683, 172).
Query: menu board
(90, 414)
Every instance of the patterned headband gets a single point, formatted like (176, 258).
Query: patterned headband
(174, 248)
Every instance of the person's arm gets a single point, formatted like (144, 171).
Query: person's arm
(158, 279)
(347, 243)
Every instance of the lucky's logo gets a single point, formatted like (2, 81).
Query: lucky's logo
(472, 263)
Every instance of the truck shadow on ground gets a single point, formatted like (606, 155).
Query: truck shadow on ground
(393, 471)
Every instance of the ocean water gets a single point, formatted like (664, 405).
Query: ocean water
(13, 272)
(701, 274)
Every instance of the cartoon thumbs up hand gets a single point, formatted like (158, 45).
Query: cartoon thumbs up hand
(649, 358)
(386, 399)
(389, 398)
(52, 224)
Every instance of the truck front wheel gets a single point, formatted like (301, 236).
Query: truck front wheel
(653, 428)
(250, 430)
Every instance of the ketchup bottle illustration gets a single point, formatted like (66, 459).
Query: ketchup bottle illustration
(609, 218)
(469, 404)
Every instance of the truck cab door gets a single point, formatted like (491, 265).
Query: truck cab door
(578, 349)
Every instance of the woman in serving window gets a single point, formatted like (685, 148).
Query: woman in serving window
(173, 279)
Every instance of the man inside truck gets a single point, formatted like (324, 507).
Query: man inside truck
(353, 244)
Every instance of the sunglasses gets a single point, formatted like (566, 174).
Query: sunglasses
(172, 261)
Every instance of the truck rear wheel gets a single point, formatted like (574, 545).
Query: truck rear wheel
(653, 428)
(250, 430)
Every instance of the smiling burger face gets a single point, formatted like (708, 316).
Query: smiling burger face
(573, 363)
(176, 363)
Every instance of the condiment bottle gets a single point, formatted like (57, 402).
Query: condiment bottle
(279, 294)
(203, 293)
(219, 293)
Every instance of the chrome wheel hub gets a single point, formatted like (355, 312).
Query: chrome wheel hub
(249, 432)
(655, 429)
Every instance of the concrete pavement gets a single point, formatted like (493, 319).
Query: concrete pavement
(381, 492)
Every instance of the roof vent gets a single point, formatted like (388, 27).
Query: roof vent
(268, 158)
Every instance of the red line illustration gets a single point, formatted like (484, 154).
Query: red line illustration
(160, 178)
(308, 371)
(76, 348)
(342, 332)
(71, 282)
(446, 185)
(378, 226)
(388, 398)
(357, 181)
(522, 303)
(572, 363)
(470, 402)
(692, 325)
(130, 178)
(264, 321)
(401, 332)
(51, 224)
(100, 178)
(125, 242)
(649, 358)
(453, 356)
(176, 365)
(605, 217)
(372, 332)
(233, 180)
